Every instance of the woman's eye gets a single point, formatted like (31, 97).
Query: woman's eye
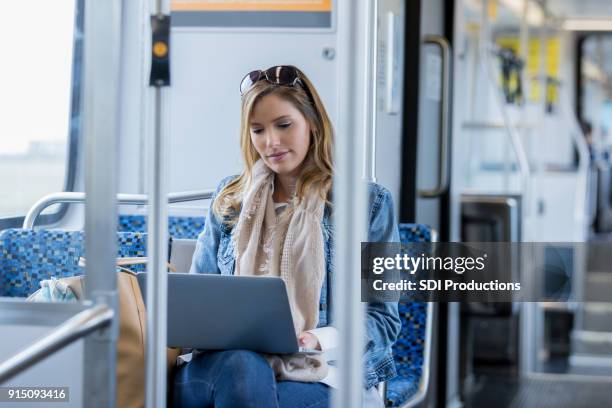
(256, 131)
(284, 125)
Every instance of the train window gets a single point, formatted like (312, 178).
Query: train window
(595, 103)
(39, 101)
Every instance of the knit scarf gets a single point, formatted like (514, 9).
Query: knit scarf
(290, 246)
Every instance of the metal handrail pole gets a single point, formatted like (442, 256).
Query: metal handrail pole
(122, 198)
(511, 131)
(78, 326)
(102, 104)
(158, 99)
(350, 198)
(527, 313)
(578, 139)
(371, 100)
(584, 159)
(194, 195)
(445, 111)
(47, 201)
(515, 140)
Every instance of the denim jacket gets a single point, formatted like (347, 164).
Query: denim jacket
(215, 254)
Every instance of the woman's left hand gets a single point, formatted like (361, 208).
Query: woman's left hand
(309, 341)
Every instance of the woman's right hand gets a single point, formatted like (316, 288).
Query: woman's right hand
(309, 341)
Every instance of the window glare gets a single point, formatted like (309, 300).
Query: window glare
(35, 100)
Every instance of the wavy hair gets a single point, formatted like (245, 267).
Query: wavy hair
(316, 175)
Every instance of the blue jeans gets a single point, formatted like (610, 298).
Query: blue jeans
(241, 379)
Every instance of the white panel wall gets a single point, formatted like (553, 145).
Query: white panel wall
(62, 369)
(206, 72)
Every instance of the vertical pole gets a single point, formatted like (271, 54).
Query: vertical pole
(350, 198)
(157, 248)
(101, 112)
(157, 244)
(371, 105)
(524, 53)
(528, 342)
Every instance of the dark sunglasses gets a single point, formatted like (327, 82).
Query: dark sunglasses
(285, 75)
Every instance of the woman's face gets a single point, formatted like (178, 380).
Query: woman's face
(280, 134)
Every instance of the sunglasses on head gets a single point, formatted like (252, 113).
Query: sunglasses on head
(285, 75)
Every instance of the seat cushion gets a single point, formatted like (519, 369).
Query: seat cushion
(401, 389)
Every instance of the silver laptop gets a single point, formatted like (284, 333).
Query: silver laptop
(220, 312)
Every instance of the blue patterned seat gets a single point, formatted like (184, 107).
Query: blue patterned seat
(410, 233)
(178, 227)
(409, 350)
(27, 257)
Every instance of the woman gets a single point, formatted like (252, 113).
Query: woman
(274, 219)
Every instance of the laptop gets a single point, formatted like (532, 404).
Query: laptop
(224, 312)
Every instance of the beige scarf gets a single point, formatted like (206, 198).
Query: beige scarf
(288, 245)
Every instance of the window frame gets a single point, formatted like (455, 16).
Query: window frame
(74, 126)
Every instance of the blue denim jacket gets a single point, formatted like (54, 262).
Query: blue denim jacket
(215, 254)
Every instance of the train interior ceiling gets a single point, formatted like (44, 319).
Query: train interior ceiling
(490, 121)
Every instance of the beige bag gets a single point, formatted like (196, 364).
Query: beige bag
(131, 343)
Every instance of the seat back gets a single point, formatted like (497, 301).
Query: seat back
(27, 257)
(30, 256)
(178, 227)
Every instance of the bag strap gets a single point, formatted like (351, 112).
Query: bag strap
(130, 260)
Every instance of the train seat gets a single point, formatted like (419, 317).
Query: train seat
(409, 350)
(30, 256)
(183, 230)
(178, 226)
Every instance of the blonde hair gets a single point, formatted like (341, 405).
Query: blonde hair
(317, 172)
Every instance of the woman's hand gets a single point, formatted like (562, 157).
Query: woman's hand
(309, 341)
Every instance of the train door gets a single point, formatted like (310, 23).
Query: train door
(435, 199)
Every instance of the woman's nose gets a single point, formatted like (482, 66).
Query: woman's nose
(273, 138)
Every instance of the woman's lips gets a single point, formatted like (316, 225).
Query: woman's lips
(278, 156)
